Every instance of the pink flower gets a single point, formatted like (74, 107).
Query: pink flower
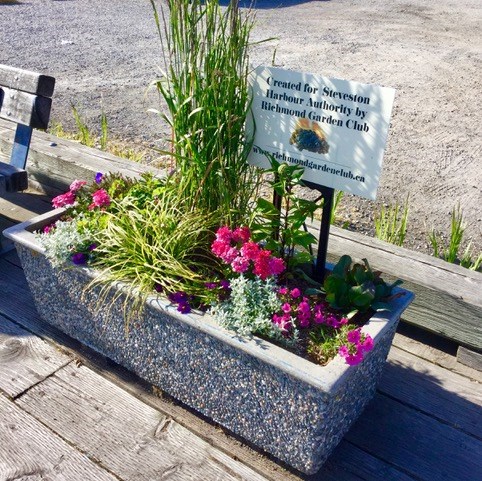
(241, 234)
(283, 322)
(343, 351)
(304, 313)
(319, 317)
(240, 264)
(354, 359)
(276, 266)
(64, 200)
(229, 255)
(367, 344)
(224, 234)
(286, 307)
(261, 265)
(354, 336)
(100, 199)
(250, 250)
(219, 247)
(76, 185)
(350, 359)
(48, 228)
(283, 291)
(295, 293)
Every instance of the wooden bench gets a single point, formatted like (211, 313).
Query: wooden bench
(25, 100)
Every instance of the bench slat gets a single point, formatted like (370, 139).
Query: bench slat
(27, 81)
(24, 108)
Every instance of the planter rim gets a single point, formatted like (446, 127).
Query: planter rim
(326, 378)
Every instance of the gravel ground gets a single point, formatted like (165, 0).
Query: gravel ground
(105, 54)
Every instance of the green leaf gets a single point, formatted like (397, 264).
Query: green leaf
(266, 207)
(342, 266)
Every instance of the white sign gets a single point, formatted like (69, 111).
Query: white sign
(335, 129)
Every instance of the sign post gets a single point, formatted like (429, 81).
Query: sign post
(336, 129)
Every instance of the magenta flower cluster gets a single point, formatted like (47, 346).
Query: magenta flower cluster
(301, 311)
(236, 248)
(358, 343)
(100, 198)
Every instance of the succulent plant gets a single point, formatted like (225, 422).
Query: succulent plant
(356, 287)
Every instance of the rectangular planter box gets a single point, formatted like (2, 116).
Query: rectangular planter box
(280, 402)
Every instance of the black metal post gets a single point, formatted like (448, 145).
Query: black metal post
(320, 267)
(328, 194)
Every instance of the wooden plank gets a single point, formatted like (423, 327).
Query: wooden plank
(30, 451)
(19, 207)
(469, 358)
(25, 359)
(129, 438)
(434, 355)
(54, 162)
(350, 462)
(15, 179)
(449, 397)
(24, 108)
(416, 443)
(27, 81)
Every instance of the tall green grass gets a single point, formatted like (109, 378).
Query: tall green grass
(391, 223)
(204, 84)
(450, 251)
(154, 243)
(88, 136)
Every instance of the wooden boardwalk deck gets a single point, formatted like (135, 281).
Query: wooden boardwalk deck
(68, 414)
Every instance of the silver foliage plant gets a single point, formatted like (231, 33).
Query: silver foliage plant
(250, 307)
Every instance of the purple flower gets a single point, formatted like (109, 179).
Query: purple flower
(92, 246)
(98, 177)
(211, 285)
(157, 287)
(79, 258)
(184, 307)
(178, 297)
(224, 284)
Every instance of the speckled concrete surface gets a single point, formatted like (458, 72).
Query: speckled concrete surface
(287, 406)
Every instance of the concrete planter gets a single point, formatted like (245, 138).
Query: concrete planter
(283, 404)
